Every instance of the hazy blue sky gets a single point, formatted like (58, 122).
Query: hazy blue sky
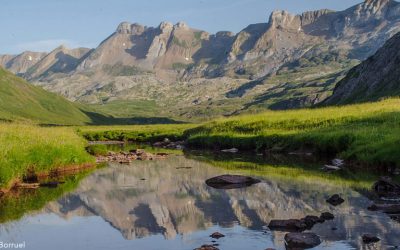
(41, 25)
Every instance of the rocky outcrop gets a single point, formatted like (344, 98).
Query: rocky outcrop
(376, 77)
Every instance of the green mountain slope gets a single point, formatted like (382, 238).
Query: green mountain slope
(22, 101)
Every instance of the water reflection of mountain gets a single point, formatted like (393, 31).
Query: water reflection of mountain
(173, 201)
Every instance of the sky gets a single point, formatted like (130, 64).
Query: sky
(42, 25)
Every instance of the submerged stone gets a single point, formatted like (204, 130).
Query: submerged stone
(369, 239)
(231, 181)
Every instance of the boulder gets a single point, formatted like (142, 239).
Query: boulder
(302, 240)
(207, 247)
(217, 235)
(369, 239)
(231, 181)
(335, 200)
(327, 216)
(292, 225)
(311, 220)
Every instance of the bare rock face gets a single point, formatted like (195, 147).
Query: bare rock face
(376, 77)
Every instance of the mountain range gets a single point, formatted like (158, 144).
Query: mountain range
(290, 61)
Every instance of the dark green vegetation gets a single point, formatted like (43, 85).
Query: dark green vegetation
(139, 133)
(20, 100)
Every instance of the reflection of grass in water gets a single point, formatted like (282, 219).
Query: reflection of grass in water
(14, 206)
(289, 171)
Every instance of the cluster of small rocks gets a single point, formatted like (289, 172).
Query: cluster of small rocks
(128, 157)
(166, 143)
(299, 225)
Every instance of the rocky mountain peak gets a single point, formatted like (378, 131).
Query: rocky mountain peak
(374, 7)
(181, 25)
(311, 16)
(128, 28)
(165, 26)
(281, 18)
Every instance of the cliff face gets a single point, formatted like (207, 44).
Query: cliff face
(376, 77)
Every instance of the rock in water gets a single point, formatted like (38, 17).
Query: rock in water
(369, 238)
(217, 235)
(335, 200)
(231, 181)
(207, 247)
(327, 216)
(292, 225)
(385, 187)
(302, 240)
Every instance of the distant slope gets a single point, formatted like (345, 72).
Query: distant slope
(376, 77)
(20, 100)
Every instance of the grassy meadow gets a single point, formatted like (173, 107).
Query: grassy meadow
(365, 133)
(26, 148)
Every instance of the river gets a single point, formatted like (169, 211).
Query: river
(165, 204)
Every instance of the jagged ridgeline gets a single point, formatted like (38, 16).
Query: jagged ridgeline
(288, 62)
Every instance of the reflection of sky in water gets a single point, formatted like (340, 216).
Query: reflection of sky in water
(48, 231)
(173, 209)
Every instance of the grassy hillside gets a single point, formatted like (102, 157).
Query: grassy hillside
(24, 147)
(22, 101)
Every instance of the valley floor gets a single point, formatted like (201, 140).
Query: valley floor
(366, 134)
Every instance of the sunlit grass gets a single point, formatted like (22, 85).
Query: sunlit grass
(24, 147)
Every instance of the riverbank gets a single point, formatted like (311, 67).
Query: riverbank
(29, 149)
(367, 135)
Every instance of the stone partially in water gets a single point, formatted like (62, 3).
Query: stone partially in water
(302, 240)
(335, 200)
(231, 181)
(369, 239)
(327, 216)
(292, 225)
(217, 235)
(207, 247)
(387, 188)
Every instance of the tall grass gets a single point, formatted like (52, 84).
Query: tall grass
(365, 133)
(29, 147)
(368, 133)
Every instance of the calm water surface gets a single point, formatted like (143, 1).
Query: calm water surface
(166, 205)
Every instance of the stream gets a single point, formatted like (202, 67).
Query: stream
(165, 204)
